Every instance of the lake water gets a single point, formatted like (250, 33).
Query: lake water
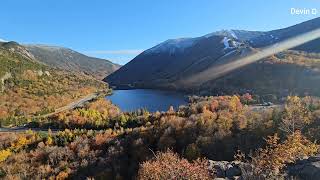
(152, 100)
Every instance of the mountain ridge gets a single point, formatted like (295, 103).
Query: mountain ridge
(68, 59)
(166, 63)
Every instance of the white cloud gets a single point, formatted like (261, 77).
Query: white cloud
(117, 52)
(2, 40)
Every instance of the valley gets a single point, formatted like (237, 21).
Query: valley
(187, 108)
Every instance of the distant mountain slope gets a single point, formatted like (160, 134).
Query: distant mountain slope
(275, 36)
(173, 60)
(287, 73)
(68, 59)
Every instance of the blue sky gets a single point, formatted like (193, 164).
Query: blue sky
(118, 30)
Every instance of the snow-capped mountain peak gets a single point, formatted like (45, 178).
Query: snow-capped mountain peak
(226, 42)
(227, 33)
(231, 43)
(173, 45)
(231, 39)
(233, 34)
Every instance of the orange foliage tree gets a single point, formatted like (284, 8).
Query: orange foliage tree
(275, 155)
(169, 165)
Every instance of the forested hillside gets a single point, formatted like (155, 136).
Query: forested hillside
(70, 60)
(286, 73)
(29, 88)
(147, 145)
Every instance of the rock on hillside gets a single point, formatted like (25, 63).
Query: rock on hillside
(14, 47)
(225, 169)
(305, 169)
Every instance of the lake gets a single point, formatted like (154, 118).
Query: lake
(152, 100)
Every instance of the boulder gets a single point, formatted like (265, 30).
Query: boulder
(47, 73)
(233, 170)
(225, 169)
(40, 73)
(305, 169)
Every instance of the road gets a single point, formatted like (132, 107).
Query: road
(24, 129)
(262, 107)
(70, 106)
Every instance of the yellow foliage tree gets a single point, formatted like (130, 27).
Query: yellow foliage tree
(276, 155)
(296, 115)
(4, 154)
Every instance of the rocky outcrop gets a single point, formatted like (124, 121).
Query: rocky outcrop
(41, 73)
(3, 78)
(305, 169)
(16, 48)
(225, 169)
(47, 73)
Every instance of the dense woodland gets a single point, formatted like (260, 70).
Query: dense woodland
(103, 142)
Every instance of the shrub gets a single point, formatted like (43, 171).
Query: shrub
(169, 165)
(192, 152)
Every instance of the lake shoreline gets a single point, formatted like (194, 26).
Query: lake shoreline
(151, 99)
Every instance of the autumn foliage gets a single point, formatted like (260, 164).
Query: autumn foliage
(96, 114)
(34, 89)
(296, 114)
(169, 165)
(102, 142)
(271, 159)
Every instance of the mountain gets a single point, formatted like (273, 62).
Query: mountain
(164, 65)
(29, 87)
(175, 58)
(71, 60)
(275, 36)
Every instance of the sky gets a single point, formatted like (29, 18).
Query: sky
(119, 30)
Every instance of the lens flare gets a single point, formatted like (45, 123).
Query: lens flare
(220, 70)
